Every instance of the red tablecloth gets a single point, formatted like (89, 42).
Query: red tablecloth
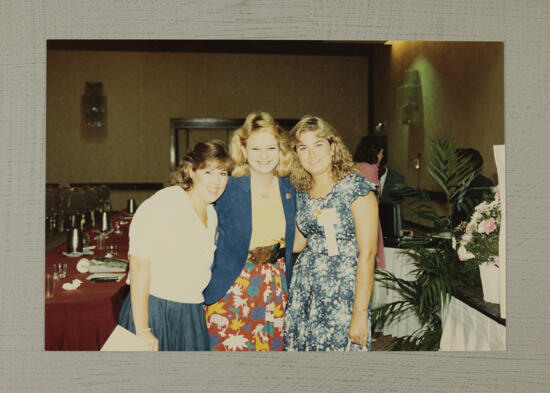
(83, 319)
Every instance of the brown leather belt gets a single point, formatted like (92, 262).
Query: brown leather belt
(266, 254)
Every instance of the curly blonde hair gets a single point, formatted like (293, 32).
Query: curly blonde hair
(256, 122)
(212, 152)
(342, 161)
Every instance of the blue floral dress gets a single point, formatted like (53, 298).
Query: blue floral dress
(322, 288)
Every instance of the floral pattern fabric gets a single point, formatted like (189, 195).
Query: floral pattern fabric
(322, 288)
(250, 317)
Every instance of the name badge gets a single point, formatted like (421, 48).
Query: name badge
(328, 218)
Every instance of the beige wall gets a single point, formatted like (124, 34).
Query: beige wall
(145, 89)
(462, 93)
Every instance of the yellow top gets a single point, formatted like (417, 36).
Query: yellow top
(268, 218)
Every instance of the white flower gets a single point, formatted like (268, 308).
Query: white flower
(454, 243)
(464, 254)
(467, 238)
(475, 217)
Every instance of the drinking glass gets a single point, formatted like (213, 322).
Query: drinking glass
(57, 271)
(113, 250)
(117, 224)
(62, 270)
(100, 241)
(50, 286)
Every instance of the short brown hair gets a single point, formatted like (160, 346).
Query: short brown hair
(202, 155)
(259, 121)
(342, 162)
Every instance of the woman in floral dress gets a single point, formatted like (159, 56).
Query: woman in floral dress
(247, 294)
(337, 229)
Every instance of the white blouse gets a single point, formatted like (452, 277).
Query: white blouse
(167, 231)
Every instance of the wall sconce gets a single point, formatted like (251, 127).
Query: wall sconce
(94, 107)
(379, 127)
(409, 96)
(416, 162)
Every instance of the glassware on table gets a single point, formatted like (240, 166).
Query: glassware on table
(57, 271)
(62, 270)
(50, 286)
(100, 241)
(117, 225)
(131, 206)
(105, 224)
(74, 240)
(113, 250)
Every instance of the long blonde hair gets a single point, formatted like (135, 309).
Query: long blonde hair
(342, 161)
(255, 122)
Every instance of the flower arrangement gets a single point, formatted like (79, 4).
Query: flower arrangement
(476, 240)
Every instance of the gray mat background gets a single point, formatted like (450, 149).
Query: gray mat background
(24, 28)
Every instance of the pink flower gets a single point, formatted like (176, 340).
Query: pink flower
(497, 195)
(487, 226)
(470, 227)
(484, 207)
(496, 261)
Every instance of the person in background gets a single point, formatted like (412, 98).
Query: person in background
(373, 150)
(368, 156)
(337, 234)
(172, 242)
(247, 295)
(389, 178)
(478, 187)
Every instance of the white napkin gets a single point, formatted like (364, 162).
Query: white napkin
(69, 286)
(83, 265)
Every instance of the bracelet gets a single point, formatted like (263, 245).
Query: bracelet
(138, 332)
(360, 309)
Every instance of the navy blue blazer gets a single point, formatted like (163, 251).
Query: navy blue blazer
(234, 210)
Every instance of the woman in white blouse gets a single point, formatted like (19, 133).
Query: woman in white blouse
(172, 243)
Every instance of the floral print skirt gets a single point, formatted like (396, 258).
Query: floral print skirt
(250, 317)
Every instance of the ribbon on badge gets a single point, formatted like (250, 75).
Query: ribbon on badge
(328, 218)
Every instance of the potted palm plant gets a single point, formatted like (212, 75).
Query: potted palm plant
(437, 271)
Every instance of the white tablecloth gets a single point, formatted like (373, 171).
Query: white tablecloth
(466, 329)
(400, 265)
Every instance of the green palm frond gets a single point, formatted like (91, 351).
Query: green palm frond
(425, 339)
(436, 272)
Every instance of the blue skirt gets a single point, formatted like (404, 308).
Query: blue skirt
(177, 326)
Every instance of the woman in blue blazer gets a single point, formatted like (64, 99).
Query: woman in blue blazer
(246, 297)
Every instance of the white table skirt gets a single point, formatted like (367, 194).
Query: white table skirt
(466, 329)
(400, 265)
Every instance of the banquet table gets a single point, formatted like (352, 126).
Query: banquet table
(83, 319)
(471, 324)
(400, 264)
